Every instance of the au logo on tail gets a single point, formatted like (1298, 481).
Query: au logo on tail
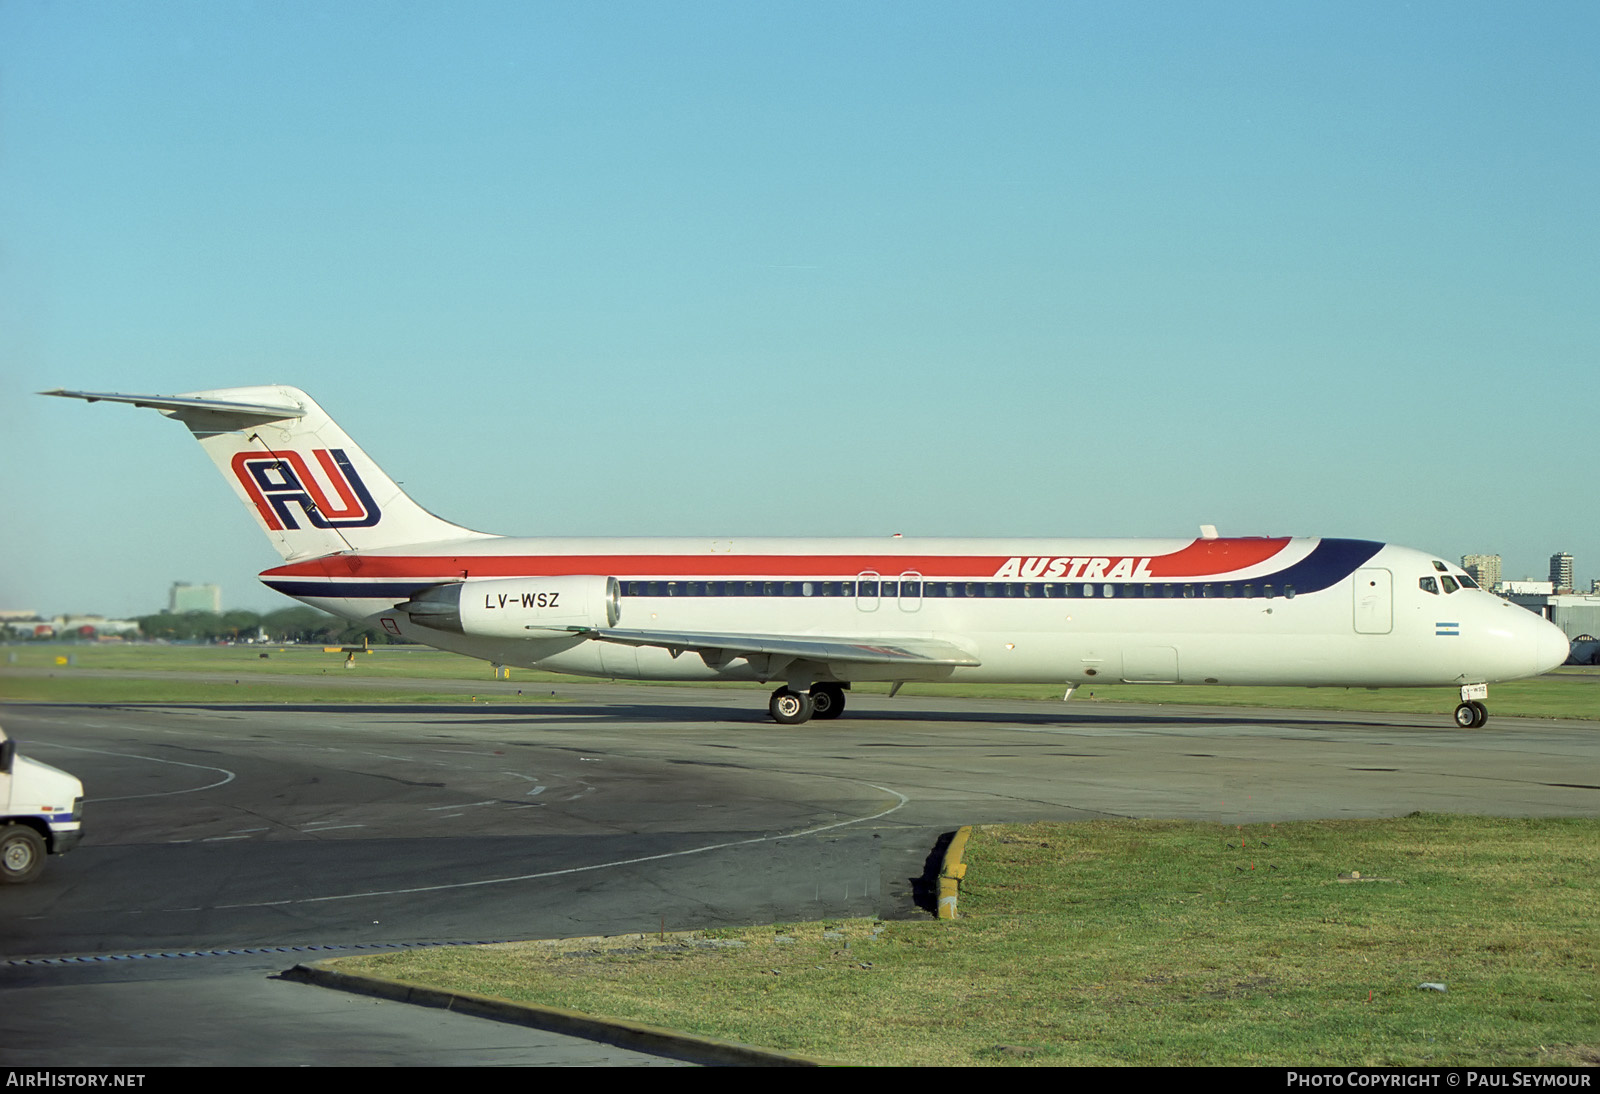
(276, 482)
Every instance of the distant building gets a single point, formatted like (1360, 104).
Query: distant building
(1526, 588)
(94, 626)
(68, 626)
(1485, 569)
(1561, 572)
(194, 598)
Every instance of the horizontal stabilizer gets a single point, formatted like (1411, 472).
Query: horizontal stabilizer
(192, 410)
(861, 651)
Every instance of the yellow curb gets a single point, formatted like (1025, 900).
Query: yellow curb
(951, 871)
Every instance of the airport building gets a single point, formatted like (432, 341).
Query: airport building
(66, 626)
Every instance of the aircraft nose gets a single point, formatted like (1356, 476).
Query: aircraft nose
(1553, 646)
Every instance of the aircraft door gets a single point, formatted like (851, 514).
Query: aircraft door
(867, 582)
(910, 592)
(1374, 601)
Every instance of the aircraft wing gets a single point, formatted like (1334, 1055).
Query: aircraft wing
(895, 651)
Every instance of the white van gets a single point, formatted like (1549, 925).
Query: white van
(41, 811)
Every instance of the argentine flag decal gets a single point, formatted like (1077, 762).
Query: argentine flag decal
(1449, 629)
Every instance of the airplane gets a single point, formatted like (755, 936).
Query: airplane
(818, 615)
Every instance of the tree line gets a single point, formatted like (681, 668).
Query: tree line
(296, 624)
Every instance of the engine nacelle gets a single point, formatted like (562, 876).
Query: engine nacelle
(518, 607)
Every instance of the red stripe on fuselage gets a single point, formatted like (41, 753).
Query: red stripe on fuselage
(1202, 558)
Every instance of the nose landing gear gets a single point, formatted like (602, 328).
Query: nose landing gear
(1472, 713)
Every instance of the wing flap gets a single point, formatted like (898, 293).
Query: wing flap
(857, 650)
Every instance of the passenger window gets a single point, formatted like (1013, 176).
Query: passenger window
(1429, 585)
(1450, 585)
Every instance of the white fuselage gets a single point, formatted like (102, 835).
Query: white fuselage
(1306, 612)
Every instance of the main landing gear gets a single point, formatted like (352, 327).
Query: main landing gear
(790, 707)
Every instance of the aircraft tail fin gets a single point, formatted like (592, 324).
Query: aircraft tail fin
(310, 487)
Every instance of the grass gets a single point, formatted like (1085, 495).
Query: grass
(29, 672)
(129, 673)
(1146, 943)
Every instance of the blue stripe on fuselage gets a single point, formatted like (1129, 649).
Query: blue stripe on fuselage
(1330, 562)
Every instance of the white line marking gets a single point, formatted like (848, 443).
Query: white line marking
(152, 759)
(901, 800)
(537, 790)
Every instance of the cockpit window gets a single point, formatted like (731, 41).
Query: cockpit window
(1450, 585)
(1441, 567)
(1429, 585)
(1466, 581)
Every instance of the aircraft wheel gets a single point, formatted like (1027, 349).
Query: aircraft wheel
(1483, 713)
(21, 854)
(827, 701)
(790, 708)
(1467, 715)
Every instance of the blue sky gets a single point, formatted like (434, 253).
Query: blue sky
(823, 268)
